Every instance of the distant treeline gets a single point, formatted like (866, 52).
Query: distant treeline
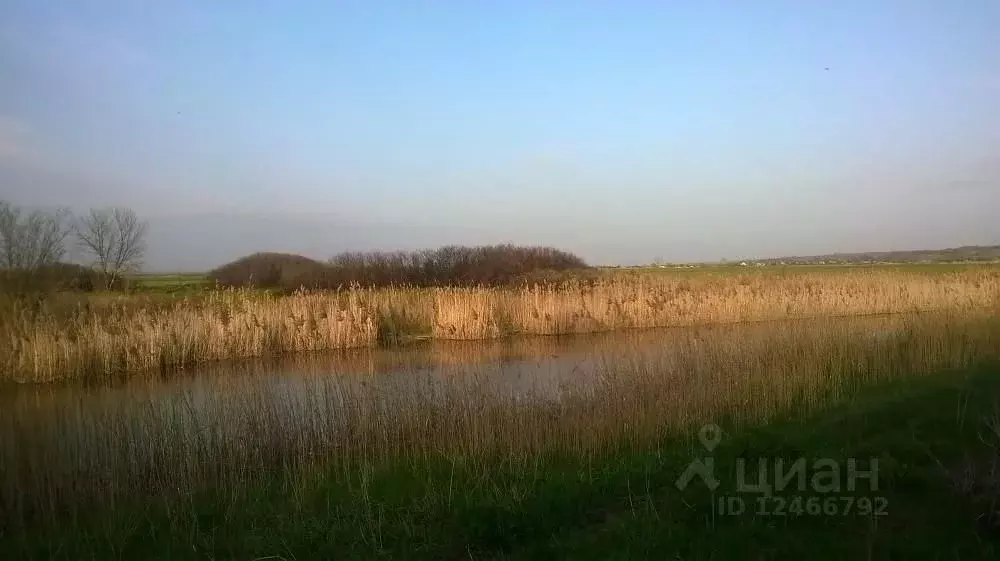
(447, 266)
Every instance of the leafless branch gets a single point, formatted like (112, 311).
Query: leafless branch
(29, 241)
(115, 239)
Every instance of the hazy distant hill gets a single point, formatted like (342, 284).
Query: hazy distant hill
(965, 253)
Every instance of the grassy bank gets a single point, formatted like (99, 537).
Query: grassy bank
(338, 469)
(72, 336)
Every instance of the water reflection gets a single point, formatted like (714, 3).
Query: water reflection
(527, 368)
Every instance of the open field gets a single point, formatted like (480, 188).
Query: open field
(340, 470)
(807, 267)
(69, 336)
(169, 283)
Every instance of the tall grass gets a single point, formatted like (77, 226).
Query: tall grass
(87, 336)
(66, 450)
(656, 300)
(118, 337)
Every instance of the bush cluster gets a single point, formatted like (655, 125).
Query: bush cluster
(491, 265)
(266, 270)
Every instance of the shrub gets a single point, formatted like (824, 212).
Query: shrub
(266, 270)
(491, 265)
(57, 277)
(447, 266)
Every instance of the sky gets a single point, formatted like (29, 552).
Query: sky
(623, 131)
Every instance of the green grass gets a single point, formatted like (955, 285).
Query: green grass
(923, 435)
(617, 505)
(169, 283)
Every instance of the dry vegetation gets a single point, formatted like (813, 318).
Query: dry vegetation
(111, 445)
(662, 300)
(116, 335)
(67, 336)
(56, 277)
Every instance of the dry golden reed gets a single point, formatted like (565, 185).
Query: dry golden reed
(101, 335)
(120, 338)
(661, 300)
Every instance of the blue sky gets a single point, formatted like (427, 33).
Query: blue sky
(622, 131)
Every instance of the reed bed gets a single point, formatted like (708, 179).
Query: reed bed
(665, 301)
(69, 337)
(65, 450)
(117, 337)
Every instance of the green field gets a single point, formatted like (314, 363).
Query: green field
(169, 283)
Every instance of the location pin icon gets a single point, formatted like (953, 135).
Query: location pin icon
(710, 435)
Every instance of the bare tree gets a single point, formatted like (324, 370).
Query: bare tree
(29, 241)
(10, 232)
(115, 238)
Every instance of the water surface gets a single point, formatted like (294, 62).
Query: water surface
(536, 369)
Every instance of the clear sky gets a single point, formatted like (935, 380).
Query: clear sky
(620, 130)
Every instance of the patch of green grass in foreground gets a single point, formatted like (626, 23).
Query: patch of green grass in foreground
(935, 440)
